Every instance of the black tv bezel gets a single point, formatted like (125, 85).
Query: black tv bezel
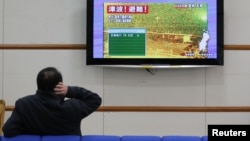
(150, 62)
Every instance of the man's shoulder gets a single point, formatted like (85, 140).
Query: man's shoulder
(25, 98)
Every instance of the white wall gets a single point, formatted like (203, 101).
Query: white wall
(38, 21)
(237, 22)
(63, 21)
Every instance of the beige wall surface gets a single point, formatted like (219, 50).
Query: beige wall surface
(236, 21)
(64, 21)
(1, 20)
(38, 21)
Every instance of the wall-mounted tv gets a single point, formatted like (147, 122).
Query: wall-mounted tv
(155, 33)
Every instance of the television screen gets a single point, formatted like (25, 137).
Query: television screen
(155, 33)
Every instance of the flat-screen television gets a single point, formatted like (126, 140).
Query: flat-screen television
(155, 33)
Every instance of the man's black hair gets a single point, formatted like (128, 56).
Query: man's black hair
(48, 78)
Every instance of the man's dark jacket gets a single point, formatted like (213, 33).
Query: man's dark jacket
(46, 113)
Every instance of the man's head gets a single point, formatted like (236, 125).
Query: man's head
(48, 78)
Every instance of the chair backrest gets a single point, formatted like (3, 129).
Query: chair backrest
(204, 138)
(61, 138)
(100, 138)
(181, 138)
(22, 138)
(2, 113)
(140, 138)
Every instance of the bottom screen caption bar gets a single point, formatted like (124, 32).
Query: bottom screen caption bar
(223, 132)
